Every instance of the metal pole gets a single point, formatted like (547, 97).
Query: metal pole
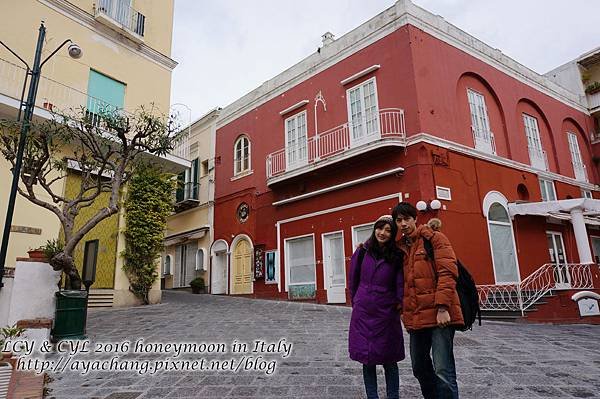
(29, 107)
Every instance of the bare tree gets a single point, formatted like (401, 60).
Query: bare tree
(104, 147)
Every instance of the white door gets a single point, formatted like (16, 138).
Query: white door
(558, 257)
(335, 267)
(480, 122)
(219, 273)
(363, 113)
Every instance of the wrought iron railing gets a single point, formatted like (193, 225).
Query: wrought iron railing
(484, 141)
(120, 12)
(538, 158)
(580, 171)
(334, 141)
(521, 296)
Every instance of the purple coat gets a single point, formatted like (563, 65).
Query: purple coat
(375, 335)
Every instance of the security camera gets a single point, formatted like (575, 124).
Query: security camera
(75, 51)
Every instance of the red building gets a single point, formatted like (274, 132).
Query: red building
(408, 107)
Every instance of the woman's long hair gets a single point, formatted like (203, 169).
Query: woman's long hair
(388, 251)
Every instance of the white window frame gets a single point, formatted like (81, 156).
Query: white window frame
(490, 199)
(355, 238)
(587, 194)
(201, 267)
(325, 276)
(480, 123)
(297, 162)
(576, 159)
(545, 185)
(535, 148)
(366, 136)
(287, 261)
(166, 272)
(242, 170)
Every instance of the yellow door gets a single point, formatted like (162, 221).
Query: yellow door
(242, 268)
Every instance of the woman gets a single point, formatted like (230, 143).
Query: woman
(376, 290)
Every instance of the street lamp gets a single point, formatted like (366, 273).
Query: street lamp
(35, 73)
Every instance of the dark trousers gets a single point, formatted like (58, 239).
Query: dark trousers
(392, 381)
(437, 378)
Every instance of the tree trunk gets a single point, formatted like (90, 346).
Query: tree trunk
(66, 263)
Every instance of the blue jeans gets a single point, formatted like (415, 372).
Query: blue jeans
(392, 381)
(437, 379)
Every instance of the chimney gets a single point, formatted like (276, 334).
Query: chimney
(327, 38)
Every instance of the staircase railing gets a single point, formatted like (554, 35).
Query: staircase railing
(521, 296)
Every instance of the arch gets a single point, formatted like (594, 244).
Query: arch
(201, 262)
(495, 113)
(529, 107)
(242, 155)
(502, 240)
(240, 265)
(167, 265)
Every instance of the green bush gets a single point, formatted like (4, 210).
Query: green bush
(198, 282)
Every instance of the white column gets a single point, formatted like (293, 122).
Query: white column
(581, 237)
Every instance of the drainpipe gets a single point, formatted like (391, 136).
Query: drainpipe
(581, 237)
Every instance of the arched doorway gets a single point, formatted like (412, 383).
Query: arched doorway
(241, 266)
(218, 270)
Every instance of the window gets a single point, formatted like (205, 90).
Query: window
(241, 155)
(578, 166)
(537, 156)
(502, 243)
(363, 113)
(482, 135)
(200, 259)
(547, 189)
(90, 257)
(166, 265)
(360, 234)
(187, 183)
(587, 194)
(204, 168)
(301, 260)
(105, 95)
(271, 267)
(296, 141)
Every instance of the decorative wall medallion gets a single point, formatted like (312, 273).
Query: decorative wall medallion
(243, 211)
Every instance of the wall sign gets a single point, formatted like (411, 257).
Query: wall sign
(259, 261)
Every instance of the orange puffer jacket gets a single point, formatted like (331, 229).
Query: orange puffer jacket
(421, 294)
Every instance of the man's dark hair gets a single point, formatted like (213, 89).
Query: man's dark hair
(404, 209)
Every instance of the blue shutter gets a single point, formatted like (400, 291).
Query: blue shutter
(104, 92)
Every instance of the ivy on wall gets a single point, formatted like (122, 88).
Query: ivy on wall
(149, 203)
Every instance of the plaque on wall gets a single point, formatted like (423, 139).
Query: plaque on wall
(259, 261)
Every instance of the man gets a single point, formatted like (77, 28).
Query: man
(431, 306)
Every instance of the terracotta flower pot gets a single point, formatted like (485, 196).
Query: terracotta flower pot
(36, 254)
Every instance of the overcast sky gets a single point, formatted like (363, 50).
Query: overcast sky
(226, 48)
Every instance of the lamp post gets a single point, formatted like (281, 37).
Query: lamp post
(35, 74)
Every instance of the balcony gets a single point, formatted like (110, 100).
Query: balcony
(118, 15)
(336, 144)
(52, 96)
(484, 141)
(187, 196)
(594, 102)
(580, 172)
(538, 158)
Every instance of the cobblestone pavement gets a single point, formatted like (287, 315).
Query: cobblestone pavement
(496, 360)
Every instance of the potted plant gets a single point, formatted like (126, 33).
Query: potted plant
(197, 285)
(7, 334)
(593, 88)
(37, 253)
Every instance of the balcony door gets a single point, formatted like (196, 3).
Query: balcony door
(480, 124)
(296, 141)
(363, 113)
(537, 156)
(576, 160)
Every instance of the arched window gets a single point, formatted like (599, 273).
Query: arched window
(241, 155)
(200, 259)
(503, 244)
(167, 265)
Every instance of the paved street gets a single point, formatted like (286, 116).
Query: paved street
(496, 360)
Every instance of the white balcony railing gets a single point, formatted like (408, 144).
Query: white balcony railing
(580, 172)
(521, 296)
(484, 141)
(122, 14)
(538, 158)
(594, 101)
(334, 141)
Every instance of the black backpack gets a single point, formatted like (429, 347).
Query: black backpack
(466, 288)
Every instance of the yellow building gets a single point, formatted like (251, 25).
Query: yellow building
(126, 64)
(189, 230)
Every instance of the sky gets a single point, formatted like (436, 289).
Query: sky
(227, 48)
